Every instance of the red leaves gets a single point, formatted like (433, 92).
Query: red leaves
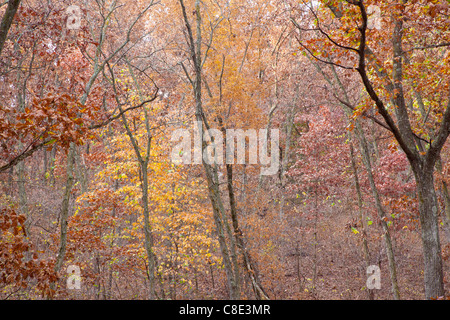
(14, 246)
(322, 153)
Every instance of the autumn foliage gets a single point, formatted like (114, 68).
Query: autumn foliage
(86, 177)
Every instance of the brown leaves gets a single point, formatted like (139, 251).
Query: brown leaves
(14, 246)
(57, 117)
(439, 8)
(54, 118)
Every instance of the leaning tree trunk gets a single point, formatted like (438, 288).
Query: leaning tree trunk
(370, 292)
(228, 248)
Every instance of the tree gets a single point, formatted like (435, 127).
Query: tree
(230, 240)
(389, 89)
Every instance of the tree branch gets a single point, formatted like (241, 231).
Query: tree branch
(109, 120)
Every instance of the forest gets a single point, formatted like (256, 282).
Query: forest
(225, 150)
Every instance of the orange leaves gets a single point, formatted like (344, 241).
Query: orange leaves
(111, 212)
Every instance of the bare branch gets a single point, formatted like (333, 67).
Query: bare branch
(112, 118)
(321, 60)
(32, 148)
(431, 46)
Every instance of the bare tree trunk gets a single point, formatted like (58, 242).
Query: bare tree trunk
(227, 253)
(80, 171)
(381, 214)
(284, 165)
(51, 172)
(45, 166)
(148, 232)
(248, 264)
(447, 210)
(228, 248)
(315, 240)
(64, 214)
(362, 219)
(11, 180)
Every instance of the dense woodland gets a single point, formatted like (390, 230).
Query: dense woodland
(91, 92)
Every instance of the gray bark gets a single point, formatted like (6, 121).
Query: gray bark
(7, 19)
(362, 219)
(64, 214)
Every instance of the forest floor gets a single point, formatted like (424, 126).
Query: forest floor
(339, 261)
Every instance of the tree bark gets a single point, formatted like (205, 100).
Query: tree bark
(285, 162)
(446, 209)
(64, 214)
(433, 272)
(148, 232)
(7, 19)
(23, 200)
(227, 248)
(248, 263)
(362, 219)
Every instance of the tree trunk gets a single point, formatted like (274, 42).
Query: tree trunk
(446, 209)
(285, 162)
(446, 196)
(7, 19)
(382, 216)
(433, 275)
(64, 215)
(143, 166)
(23, 200)
(362, 219)
(228, 250)
(148, 232)
(52, 165)
(248, 264)
(218, 210)
(80, 170)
